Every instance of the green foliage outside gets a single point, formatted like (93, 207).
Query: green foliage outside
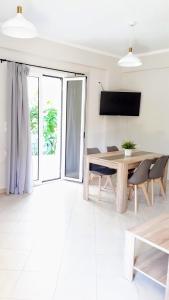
(49, 130)
(34, 119)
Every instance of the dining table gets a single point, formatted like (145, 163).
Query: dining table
(117, 160)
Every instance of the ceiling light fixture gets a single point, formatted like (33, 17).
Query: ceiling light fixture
(130, 60)
(19, 27)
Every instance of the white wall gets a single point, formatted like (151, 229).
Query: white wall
(100, 129)
(151, 129)
(97, 67)
(115, 125)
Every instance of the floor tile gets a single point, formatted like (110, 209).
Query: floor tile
(12, 260)
(116, 288)
(31, 285)
(16, 241)
(44, 260)
(8, 280)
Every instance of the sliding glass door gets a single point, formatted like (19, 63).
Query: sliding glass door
(57, 110)
(73, 127)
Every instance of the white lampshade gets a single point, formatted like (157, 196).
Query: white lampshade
(130, 60)
(19, 27)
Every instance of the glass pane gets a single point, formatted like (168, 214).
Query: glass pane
(51, 127)
(33, 96)
(73, 128)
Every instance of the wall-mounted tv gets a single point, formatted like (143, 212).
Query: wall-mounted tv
(120, 103)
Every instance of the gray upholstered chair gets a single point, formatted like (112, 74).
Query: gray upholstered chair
(92, 151)
(100, 171)
(156, 175)
(112, 148)
(139, 179)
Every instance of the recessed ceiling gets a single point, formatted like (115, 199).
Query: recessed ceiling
(99, 25)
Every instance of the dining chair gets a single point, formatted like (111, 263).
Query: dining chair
(139, 179)
(100, 171)
(112, 148)
(156, 175)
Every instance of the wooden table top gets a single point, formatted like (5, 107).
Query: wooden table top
(154, 232)
(119, 157)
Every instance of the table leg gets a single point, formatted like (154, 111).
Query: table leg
(167, 284)
(86, 180)
(165, 177)
(121, 196)
(129, 256)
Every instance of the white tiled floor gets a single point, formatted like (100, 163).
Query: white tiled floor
(56, 246)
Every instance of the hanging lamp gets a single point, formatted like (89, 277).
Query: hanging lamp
(130, 60)
(19, 27)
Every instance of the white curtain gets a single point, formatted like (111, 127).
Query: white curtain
(19, 170)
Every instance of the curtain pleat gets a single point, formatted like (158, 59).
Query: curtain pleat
(19, 158)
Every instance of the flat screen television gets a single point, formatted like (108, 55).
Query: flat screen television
(120, 103)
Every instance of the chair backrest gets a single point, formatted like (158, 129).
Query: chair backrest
(141, 173)
(92, 151)
(157, 171)
(112, 148)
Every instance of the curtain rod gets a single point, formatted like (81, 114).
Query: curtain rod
(76, 73)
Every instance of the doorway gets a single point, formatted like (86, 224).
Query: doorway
(57, 114)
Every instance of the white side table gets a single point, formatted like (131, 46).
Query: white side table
(153, 263)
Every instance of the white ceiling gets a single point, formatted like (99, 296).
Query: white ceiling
(98, 24)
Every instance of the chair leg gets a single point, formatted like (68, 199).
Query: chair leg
(100, 182)
(106, 183)
(152, 192)
(91, 177)
(130, 192)
(162, 188)
(135, 200)
(109, 180)
(143, 186)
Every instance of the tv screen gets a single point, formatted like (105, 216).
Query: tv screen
(120, 103)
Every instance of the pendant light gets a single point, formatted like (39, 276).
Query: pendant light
(19, 27)
(130, 60)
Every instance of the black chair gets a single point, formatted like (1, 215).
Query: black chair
(156, 175)
(100, 171)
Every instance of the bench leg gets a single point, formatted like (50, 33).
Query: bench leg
(129, 256)
(167, 284)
